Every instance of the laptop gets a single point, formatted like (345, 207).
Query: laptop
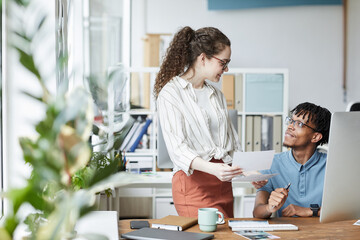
(341, 196)
(161, 234)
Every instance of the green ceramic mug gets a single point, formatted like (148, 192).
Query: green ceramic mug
(209, 218)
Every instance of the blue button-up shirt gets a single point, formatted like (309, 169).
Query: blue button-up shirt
(307, 181)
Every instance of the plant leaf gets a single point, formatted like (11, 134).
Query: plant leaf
(32, 96)
(105, 172)
(11, 224)
(41, 22)
(23, 36)
(27, 61)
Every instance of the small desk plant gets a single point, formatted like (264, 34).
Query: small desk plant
(66, 174)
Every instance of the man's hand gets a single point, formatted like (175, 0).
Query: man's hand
(259, 184)
(294, 210)
(277, 199)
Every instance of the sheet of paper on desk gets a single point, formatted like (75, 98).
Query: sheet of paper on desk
(250, 161)
(254, 235)
(253, 177)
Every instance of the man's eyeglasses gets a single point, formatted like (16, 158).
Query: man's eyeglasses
(296, 123)
(224, 62)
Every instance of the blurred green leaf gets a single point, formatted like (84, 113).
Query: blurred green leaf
(23, 3)
(105, 172)
(41, 23)
(18, 196)
(10, 224)
(23, 36)
(27, 61)
(32, 96)
(33, 221)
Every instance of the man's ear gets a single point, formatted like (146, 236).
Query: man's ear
(316, 137)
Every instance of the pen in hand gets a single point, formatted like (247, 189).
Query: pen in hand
(286, 188)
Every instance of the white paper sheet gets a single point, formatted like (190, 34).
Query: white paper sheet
(250, 161)
(253, 177)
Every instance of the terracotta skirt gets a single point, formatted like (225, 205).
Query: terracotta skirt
(201, 190)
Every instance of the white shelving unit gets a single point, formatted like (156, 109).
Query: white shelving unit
(243, 112)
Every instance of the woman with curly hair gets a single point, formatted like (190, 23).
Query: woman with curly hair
(194, 119)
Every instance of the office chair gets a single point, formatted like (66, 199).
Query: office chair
(353, 106)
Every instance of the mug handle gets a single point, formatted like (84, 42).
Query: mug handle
(221, 218)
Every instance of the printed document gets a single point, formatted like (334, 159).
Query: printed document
(250, 161)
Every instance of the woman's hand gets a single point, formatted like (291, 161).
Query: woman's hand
(225, 172)
(222, 171)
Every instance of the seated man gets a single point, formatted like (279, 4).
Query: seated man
(302, 166)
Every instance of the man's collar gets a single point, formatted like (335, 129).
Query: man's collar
(309, 163)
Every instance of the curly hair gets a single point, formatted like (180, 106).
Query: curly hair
(185, 47)
(319, 116)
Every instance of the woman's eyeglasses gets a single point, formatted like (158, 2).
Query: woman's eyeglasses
(224, 62)
(296, 123)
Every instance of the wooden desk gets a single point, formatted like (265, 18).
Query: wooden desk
(309, 228)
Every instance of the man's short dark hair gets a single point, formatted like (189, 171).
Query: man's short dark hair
(319, 116)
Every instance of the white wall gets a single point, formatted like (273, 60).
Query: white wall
(305, 39)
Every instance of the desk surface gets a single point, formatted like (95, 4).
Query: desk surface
(309, 228)
(163, 180)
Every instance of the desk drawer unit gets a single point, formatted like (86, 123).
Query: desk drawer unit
(164, 206)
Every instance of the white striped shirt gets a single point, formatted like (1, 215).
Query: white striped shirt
(185, 130)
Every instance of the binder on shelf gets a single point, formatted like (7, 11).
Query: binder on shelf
(239, 92)
(257, 133)
(249, 123)
(228, 86)
(129, 135)
(140, 134)
(134, 136)
(177, 223)
(277, 133)
(240, 128)
(146, 91)
(121, 136)
(267, 133)
(135, 96)
(140, 89)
